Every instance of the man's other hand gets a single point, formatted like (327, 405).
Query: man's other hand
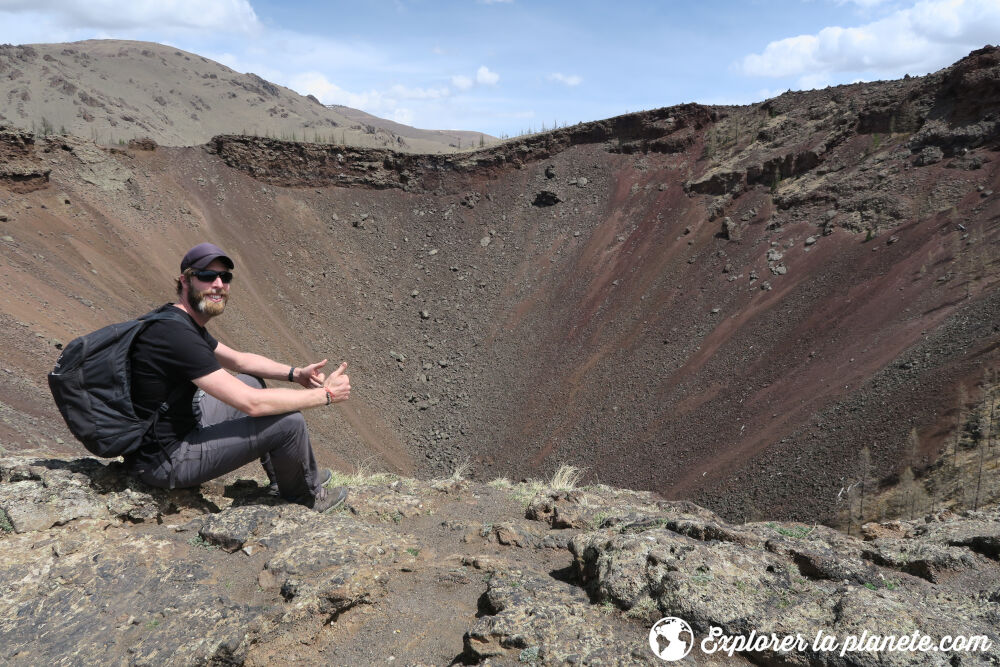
(310, 376)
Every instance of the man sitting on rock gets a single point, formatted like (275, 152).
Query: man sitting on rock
(234, 419)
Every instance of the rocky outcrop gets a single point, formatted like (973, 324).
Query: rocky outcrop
(19, 171)
(667, 130)
(787, 579)
(83, 578)
(96, 568)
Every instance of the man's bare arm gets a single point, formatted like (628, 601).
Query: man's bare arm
(273, 401)
(262, 367)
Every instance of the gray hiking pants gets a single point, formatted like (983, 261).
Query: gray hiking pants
(227, 439)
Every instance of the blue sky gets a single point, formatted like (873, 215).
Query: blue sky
(506, 66)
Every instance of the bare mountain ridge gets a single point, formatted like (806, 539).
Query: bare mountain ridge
(112, 91)
(719, 303)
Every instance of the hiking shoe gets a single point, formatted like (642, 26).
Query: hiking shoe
(325, 474)
(329, 499)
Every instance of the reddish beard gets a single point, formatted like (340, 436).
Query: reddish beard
(198, 300)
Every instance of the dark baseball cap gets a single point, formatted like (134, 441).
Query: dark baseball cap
(202, 255)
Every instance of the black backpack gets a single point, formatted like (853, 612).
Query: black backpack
(92, 385)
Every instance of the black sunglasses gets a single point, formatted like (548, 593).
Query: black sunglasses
(207, 276)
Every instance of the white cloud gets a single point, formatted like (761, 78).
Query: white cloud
(404, 116)
(486, 77)
(235, 63)
(571, 80)
(224, 15)
(814, 81)
(419, 93)
(461, 82)
(864, 3)
(327, 92)
(923, 37)
(380, 103)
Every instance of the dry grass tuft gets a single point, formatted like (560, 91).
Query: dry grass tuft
(364, 475)
(461, 471)
(501, 483)
(565, 478)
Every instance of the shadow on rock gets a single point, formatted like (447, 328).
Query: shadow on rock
(38, 493)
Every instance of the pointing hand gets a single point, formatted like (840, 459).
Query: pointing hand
(310, 376)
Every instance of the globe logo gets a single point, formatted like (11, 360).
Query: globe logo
(671, 638)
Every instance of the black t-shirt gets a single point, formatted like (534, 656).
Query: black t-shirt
(169, 353)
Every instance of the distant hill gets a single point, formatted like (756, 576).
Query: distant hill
(114, 90)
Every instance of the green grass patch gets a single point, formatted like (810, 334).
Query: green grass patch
(644, 609)
(5, 525)
(528, 655)
(701, 579)
(199, 541)
(797, 532)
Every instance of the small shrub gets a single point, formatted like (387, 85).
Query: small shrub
(529, 654)
(199, 541)
(524, 493)
(701, 579)
(645, 609)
